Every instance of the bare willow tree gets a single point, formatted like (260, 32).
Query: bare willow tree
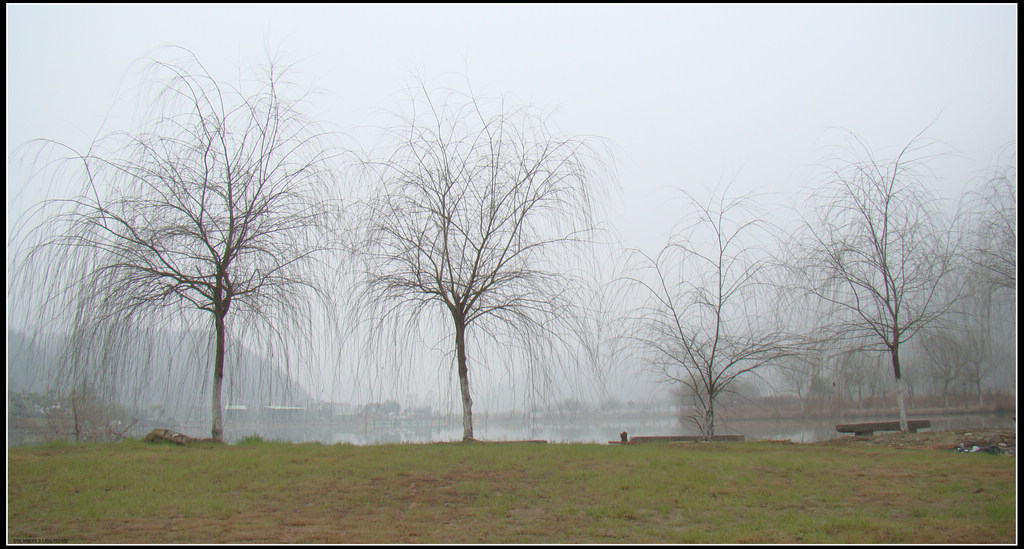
(212, 215)
(476, 219)
(991, 228)
(708, 304)
(981, 336)
(959, 355)
(878, 251)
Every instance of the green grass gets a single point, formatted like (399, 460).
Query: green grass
(264, 491)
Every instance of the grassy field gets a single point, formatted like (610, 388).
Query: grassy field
(763, 492)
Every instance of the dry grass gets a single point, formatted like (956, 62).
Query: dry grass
(509, 493)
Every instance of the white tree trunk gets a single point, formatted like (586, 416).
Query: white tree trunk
(901, 401)
(467, 410)
(467, 402)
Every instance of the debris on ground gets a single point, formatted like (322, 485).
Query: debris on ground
(992, 441)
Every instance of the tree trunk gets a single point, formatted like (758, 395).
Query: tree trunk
(900, 390)
(218, 378)
(74, 415)
(901, 400)
(709, 420)
(467, 402)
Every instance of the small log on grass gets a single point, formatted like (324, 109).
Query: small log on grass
(688, 438)
(868, 429)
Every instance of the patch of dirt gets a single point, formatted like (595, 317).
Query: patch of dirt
(994, 441)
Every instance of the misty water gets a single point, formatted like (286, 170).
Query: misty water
(582, 429)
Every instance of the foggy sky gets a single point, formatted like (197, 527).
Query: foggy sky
(688, 96)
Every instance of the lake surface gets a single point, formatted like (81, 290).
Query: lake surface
(587, 430)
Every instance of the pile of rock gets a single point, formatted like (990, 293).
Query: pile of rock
(167, 435)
